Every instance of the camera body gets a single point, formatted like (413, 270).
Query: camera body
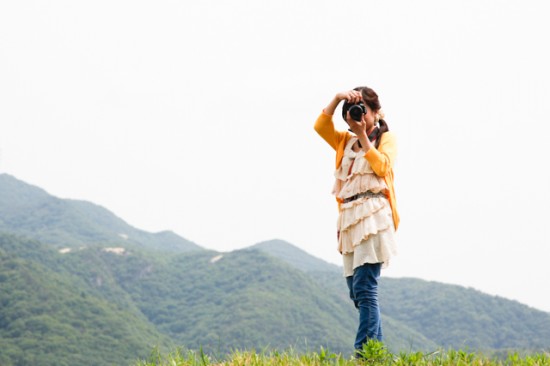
(356, 111)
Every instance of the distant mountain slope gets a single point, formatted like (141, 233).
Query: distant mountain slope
(239, 300)
(48, 318)
(30, 211)
(447, 315)
(462, 317)
(294, 256)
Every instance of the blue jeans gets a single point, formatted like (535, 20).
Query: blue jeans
(363, 290)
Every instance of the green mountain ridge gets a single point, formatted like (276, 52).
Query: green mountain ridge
(49, 317)
(479, 321)
(267, 304)
(295, 256)
(55, 304)
(30, 211)
(493, 321)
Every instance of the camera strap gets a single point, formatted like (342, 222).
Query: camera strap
(374, 134)
(372, 137)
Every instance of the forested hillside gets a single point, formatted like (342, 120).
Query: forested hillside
(48, 316)
(295, 256)
(448, 315)
(244, 299)
(30, 211)
(459, 317)
(74, 291)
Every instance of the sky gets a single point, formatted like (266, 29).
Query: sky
(197, 117)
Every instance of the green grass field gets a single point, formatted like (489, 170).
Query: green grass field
(374, 353)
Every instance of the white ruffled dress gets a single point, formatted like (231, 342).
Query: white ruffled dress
(365, 225)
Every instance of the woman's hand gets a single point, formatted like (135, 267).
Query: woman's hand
(357, 127)
(351, 96)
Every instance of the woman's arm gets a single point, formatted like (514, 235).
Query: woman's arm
(325, 128)
(351, 96)
(381, 160)
(324, 124)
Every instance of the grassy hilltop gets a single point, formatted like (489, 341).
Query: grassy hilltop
(374, 353)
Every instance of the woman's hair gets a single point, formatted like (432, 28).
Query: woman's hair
(371, 100)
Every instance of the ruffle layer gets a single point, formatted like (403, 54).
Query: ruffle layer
(360, 209)
(378, 248)
(360, 166)
(360, 163)
(365, 226)
(343, 172)
(358, 184)
(360, 179)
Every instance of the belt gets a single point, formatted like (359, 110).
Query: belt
(369, 194)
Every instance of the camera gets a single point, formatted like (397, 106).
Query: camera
(356, 111)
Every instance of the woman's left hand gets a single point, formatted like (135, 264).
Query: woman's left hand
(357, 127)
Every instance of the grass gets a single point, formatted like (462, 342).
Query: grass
(374, 353)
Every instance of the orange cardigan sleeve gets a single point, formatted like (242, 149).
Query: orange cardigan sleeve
(381, 159)
(336, 139)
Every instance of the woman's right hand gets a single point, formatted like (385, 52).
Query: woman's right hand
(351, 96)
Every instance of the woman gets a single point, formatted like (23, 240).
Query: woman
(365, 193)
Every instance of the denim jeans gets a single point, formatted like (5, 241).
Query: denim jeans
(363, 290)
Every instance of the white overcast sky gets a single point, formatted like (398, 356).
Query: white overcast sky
(197, 117)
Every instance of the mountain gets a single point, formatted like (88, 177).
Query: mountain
(329, 277)
(71, 287)
(220, 302)
(30, 211)
(295, 256)
(50, 317)
(427, 312)
(239, 300)
(456, 316)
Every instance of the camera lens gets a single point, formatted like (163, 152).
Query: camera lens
(356, 111)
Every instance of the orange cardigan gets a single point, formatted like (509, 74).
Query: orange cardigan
(381, 159)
